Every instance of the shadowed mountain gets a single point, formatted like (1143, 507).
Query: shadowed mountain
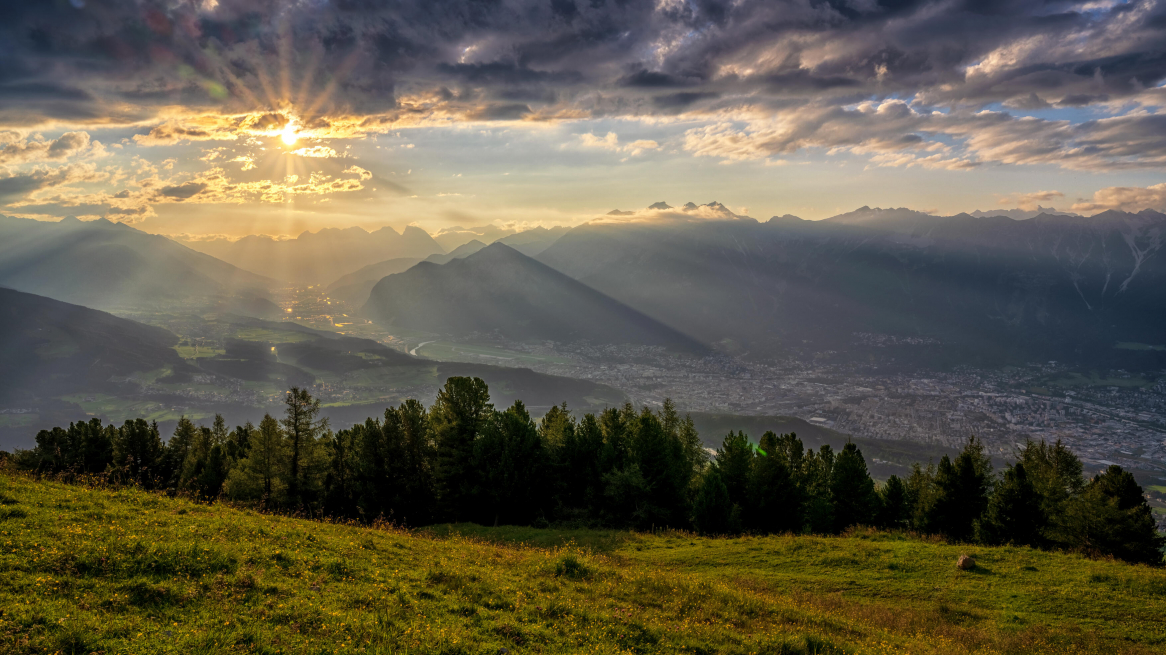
(966, 289)
(498, 290)
(106, 265)
(48, 347)
(316, 257)
(354, 288)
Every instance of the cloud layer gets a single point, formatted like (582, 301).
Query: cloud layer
(950, 85)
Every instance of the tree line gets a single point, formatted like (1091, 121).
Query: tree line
(463, 460)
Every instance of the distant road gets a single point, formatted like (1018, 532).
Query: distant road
(420, 345)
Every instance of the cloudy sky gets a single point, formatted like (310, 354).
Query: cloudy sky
(228, 117)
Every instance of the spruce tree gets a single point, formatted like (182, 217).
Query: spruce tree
(510, 460)
(816, 480)
(852, 490)
(137, 452)
(963, 486)
(1015, 514)
(457, 418)
(894, 510)
(734, 463)
(261, 474)
(712, 508)
(301, 429)
(775, 499)
(1058, 476)
(1112, 517)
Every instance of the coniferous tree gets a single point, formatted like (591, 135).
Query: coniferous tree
(666, 471)
(510, 460)
(343, 471)
(419, 452)
(209, 483)
(579, 467)
(301, 429)
(137, 451)
(734, 464)
(712, 508)
(921, 496)
(852, 489)
(1112, 517)
(176, 451)
(775, 499)
(963, 487)
(85, 447)
(1015, 514)
(1057, 475)
(816, 480)
(259, 475)
(894, 509)
(457, 417)
(239, 441)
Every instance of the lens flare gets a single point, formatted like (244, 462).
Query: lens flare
(289, 134)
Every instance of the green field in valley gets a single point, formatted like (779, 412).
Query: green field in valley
(122, 571)
(465, 352)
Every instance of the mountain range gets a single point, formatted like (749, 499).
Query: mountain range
(989, 289)
(107, 265)
(499, 291)
(323, 256)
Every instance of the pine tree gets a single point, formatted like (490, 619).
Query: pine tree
(1112, 517)
(301, 429)
(852, 490)
(712, 508)
(666, 471)
(341, 479)
(921, 496)
(964, 486)
(816, 480)
(419, 454)
(137, 451)
(260, 475)
(1015, 514)
(775, 500)
(510, 460)
(1058, 476)
(894, 510)
(176, 451)
(734, 464)
(457, 418)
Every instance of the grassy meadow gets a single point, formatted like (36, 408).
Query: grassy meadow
(102, 570)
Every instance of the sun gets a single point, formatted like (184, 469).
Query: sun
(289, 134)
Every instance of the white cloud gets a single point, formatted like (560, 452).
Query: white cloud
(1125, 198)
(610, 141)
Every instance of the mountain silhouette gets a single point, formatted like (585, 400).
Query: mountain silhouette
(107, 265)
(990, 289)
(48, 347)
(500, 291)
(317, 257)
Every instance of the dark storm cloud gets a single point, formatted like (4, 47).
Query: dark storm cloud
(366, 65)
(357, 56)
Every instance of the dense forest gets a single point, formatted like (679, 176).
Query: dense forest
(463, 460)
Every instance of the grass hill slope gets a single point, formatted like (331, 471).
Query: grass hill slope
(96, 570)
(499, 290)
